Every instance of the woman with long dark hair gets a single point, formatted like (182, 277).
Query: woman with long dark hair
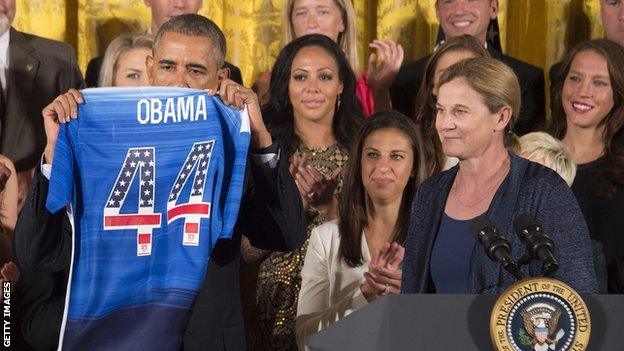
(588, 116)
(313, 113)
(352, 261)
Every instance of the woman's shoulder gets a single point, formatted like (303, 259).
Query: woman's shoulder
(534, 174)
(325, 238)
(541, 185)
(437, 181)
(327, 231)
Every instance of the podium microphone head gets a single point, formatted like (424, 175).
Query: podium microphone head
(480, 224)
(496, 246)
(539, 245)
(522, 224)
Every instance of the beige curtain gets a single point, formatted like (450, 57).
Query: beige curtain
(536, 31)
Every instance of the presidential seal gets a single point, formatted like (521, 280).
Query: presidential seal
(540, 314)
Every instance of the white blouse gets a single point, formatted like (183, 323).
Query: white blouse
(330, 289)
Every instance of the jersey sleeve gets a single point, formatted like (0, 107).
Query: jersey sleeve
(62, 177)
(236, 138)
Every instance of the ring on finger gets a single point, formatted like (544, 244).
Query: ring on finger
(386, 291)
(311, 194)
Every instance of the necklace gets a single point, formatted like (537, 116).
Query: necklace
(495, 186)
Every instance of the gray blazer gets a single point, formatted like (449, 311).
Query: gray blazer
(39, 70)
(529, 188)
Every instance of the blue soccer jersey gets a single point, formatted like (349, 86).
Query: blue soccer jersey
(155, 177)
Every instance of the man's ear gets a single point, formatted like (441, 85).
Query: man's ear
(493, 9)
(223, 74)
(149, 66)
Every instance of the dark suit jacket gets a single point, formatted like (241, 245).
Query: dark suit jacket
(404, 90)
(95, 65)
(271, 216)
(39, 71)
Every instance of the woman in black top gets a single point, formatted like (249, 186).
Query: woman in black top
(313, 113)
(588, 116)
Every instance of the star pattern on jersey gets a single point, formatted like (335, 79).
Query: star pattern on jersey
(200, 157)
(137, 160)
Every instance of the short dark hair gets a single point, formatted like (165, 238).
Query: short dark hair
(348, 116)
(194, 25)
(353, 197)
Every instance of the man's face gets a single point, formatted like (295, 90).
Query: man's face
(163, 10)
(184, 61)
(7, 14)
(612, 15)
(459, 17)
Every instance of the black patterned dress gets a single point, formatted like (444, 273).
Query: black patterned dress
(279, 276)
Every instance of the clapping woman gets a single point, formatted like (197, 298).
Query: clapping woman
(353, 260)
(336, 20)
(313, 113)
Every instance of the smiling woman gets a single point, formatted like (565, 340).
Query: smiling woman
(315, 86)
(313, 112)
(589, 118)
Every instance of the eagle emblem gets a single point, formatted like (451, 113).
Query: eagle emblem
(540, 327)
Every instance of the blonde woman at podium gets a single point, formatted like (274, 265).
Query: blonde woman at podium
(357, 258)
(477, 102)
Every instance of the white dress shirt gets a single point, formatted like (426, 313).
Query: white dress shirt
(330, 289)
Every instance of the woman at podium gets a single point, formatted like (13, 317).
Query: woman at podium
(353, 260)
(478, 100)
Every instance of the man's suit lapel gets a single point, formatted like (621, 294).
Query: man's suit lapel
(23, 69)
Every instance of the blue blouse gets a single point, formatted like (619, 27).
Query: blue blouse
(450, 258)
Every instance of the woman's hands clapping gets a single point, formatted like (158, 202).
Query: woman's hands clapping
(384, 273)
(315, 189)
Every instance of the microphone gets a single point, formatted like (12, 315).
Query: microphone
(496, 246)
(538, 244)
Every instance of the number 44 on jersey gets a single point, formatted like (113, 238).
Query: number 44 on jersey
(140, 166)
